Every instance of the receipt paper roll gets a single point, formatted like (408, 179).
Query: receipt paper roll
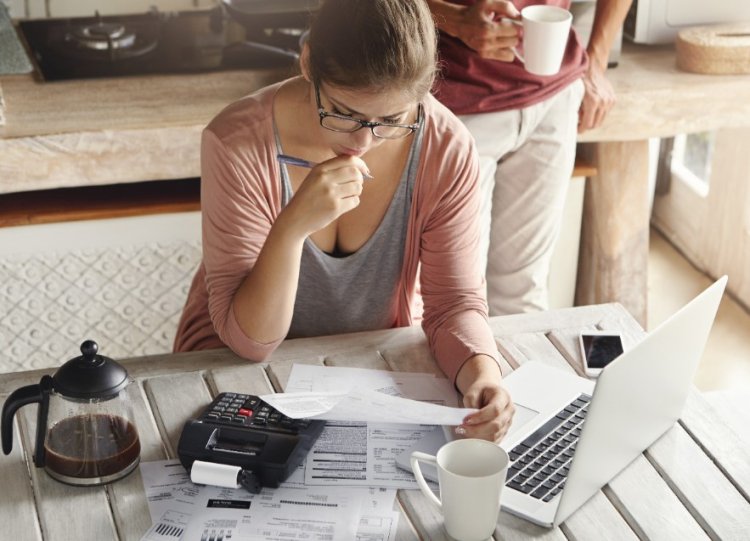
(220, 475)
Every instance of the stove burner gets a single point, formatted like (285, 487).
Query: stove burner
(103, 36)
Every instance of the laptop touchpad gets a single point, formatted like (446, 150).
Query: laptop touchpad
(522, 417)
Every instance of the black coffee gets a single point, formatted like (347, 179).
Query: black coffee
(88, 446)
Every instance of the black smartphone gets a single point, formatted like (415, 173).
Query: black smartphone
(599, 348)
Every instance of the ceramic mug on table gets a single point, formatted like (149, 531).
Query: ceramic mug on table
(471, 474)
(545, 36)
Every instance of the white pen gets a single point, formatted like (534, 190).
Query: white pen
(299, 162)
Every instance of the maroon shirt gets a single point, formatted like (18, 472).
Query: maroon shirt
(471, 84)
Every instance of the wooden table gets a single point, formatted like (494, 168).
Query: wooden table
(693, 483)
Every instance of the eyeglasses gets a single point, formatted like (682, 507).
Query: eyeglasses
(348, 124)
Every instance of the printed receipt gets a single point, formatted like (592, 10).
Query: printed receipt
(364, 405)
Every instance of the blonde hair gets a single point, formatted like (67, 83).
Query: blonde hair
(374, 44)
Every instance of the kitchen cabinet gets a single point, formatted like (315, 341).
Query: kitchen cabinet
(710, 224)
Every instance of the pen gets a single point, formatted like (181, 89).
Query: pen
(299, 162)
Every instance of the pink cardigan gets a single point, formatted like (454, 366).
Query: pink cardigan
(241, 198)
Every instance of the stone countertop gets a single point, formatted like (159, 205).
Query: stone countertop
(106, 131)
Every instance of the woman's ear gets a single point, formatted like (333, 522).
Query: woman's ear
(304, 62)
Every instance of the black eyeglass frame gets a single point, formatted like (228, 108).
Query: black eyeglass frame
(322, 114)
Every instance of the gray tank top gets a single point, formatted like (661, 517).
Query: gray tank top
(356, 292)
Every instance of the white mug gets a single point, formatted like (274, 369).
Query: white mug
(545, 37)
(471, 474)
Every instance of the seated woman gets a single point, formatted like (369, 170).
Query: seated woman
(291, 251)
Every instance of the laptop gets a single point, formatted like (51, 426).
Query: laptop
(558, 461)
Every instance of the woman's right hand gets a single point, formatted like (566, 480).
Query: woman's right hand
(330, 189)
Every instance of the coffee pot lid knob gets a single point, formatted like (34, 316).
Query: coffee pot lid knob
(90, 376)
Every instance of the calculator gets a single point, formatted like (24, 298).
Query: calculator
(242, 430)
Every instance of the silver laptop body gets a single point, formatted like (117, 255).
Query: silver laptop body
(636, 399)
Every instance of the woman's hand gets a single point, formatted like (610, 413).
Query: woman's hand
(331, 189)
(480, 382)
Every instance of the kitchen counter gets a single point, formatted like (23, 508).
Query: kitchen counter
(94, 132)
(106, 131)
(109, 131)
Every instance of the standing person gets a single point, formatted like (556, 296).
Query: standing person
(525, 129)
(292, 251)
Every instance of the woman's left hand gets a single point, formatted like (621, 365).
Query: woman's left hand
(480, 382)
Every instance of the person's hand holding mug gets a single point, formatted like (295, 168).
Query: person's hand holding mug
(546, 30)
(486, 26)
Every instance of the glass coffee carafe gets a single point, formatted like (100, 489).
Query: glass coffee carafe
(85, 432)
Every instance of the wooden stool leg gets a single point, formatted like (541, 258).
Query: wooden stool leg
(613, 259)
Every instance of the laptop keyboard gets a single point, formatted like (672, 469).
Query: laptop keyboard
(540, 463)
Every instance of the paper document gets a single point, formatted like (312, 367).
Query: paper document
(184, 511)
(364, 405)
(356, 453)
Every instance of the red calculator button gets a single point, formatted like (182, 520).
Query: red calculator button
(244, 412)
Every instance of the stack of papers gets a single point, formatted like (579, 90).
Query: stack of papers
(350, 474)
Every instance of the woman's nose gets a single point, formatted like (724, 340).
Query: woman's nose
(363, 138)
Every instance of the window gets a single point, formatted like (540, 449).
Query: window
(691, 159)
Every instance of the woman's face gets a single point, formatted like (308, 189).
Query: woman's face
(387, 107)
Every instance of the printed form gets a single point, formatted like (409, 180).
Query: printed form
(363, 451)
(182, 510)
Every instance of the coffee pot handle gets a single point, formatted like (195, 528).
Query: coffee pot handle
(19, 398)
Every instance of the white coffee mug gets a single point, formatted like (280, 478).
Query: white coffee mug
(545, 36)
(471, 475)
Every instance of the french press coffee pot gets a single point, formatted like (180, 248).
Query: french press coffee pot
(85, 434)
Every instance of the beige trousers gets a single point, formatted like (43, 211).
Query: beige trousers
(526, 158)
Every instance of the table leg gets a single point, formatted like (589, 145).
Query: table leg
(613, 255)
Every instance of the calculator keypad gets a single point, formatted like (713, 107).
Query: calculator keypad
(248, 410)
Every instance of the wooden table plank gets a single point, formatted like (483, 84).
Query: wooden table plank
(57, 502)
(412, 358)
(248, 379)
(524, 347)
(427, 520)
(733, 406)
(128, 496)
(362, 357)
(650, 507)
(143, 367)
(598, 519)
(725, 447)
(279, 371)
(302, 348)
(17, 510)
(405, 530)
(175, 399)
(709, 496)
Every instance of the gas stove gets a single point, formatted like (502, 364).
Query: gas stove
(161, 43)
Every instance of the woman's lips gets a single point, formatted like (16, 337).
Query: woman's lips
(352, 152)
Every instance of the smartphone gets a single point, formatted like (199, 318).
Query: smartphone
(598, 349)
